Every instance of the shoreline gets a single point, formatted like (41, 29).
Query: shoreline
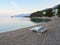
(25, 37)
(40, 24)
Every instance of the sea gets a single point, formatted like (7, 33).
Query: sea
(10, 24)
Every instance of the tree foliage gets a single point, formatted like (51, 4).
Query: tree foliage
(58, 13)
(49, 13)
(37, 14)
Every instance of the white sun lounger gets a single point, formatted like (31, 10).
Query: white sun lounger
(35, 28)
(39, 29)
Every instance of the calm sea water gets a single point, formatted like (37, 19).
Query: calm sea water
(9, 24)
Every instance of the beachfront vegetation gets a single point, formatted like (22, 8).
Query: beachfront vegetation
(37, 14)
(58, 13)
(47, 12)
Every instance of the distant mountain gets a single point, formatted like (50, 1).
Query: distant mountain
(21, 15)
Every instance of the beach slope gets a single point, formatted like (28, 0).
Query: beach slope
(25, 37)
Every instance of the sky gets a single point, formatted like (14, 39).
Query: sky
(13, 7)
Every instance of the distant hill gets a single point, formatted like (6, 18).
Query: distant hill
(49, 12)
(21, 15)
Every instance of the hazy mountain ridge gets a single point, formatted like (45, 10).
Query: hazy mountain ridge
(21, 15)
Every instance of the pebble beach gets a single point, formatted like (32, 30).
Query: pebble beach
(26, 37)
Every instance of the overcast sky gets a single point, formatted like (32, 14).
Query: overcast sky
(12, 7)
